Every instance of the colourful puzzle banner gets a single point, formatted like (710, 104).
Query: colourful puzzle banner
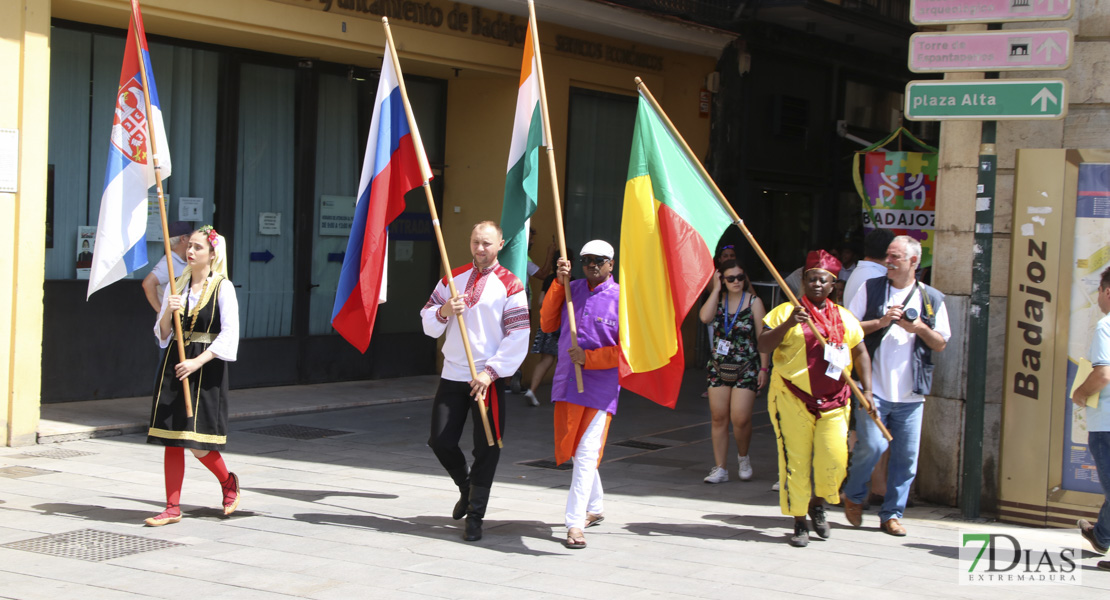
(901, 192)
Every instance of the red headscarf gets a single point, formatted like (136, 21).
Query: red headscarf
(827, 319)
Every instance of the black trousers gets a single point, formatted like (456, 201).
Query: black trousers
(449, 412)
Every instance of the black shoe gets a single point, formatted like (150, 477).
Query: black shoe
(1088, 532)
(473, 531)
(514, 383)
(800, 539)
(460, 506)
(461, 477)
(820, 521)
(475, 512)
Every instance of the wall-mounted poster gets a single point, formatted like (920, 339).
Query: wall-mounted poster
(337, 214)
(1092, 256)
(86, 241)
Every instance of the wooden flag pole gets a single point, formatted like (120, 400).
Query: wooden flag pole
(161, 204)
(758, 249)
(554, 185)
(426, 175)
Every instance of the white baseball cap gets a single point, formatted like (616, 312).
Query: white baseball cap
(598, 248)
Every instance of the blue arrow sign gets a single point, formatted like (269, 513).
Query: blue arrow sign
(336, 256)
(264, 256)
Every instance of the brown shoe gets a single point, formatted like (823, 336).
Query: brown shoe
(893, 527)
(171, 515)
(853, 511)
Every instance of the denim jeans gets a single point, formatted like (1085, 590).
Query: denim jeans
(903, 420)
(1098, 444)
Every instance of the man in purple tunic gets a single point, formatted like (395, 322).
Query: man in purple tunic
(582, 419)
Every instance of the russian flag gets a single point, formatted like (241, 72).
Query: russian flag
(391, 168)
(121, 228)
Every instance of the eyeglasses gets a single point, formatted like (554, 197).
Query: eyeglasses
(590, 259)
(734, 278)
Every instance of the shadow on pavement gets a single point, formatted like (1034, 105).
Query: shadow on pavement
(504, 537)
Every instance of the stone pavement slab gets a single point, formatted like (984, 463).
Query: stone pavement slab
(365, 514)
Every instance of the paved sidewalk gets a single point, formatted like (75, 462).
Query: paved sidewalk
(364, 513)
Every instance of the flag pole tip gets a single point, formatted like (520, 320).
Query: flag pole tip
(385, 20)
(639, 82)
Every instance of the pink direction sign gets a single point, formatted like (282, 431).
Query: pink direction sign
(1005, 50)
(938, 12)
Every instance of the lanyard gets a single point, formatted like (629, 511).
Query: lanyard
(906, 302)
(730, 322)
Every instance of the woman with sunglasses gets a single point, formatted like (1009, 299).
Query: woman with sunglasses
(737, 370)
(808, 400)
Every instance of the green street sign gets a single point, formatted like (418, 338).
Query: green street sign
(986, 100)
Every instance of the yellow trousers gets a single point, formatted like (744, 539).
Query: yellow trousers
(807, 445)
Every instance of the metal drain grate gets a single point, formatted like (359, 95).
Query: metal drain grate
(90, 545)
(20, 472)
(297, 432)
(56, 453)
(549, 464)
(641, 445)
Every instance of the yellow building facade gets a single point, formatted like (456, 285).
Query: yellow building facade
(467, 56)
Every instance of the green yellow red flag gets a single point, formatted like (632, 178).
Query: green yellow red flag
(671, 221)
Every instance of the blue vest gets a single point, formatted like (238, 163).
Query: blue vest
(931, 300)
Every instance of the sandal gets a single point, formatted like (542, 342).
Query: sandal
(575, 540)
(594, 519)
(231, 493)
(165, 517)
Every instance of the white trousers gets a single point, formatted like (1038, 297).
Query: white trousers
(586, 494)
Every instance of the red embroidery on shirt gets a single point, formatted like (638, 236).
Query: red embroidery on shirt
(475, 285)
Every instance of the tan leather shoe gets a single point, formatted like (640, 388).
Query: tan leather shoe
(166, 517)
(853, 511)
(893, 527)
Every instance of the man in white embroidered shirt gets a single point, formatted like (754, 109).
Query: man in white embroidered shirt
(493, 305)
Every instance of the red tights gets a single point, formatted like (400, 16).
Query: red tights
(175, 474)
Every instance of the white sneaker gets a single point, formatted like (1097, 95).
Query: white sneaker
(775, 487)
(716, 475)
(531, 398)
(745, 468)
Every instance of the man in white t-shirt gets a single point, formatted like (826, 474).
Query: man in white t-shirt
(904, 322)
(1098, 420)
(873, 264)
(156, 280)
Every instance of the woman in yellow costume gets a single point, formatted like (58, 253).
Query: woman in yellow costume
(808, 400)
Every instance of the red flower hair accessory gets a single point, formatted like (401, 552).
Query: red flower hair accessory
(213, 237)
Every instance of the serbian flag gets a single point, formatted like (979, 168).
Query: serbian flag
(390, 169)
(670, 222)
(121, 228)
(522, 174)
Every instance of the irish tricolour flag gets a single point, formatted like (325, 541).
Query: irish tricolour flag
(671, 220)
(522, 177)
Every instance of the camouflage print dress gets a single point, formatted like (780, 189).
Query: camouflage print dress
(743, 351)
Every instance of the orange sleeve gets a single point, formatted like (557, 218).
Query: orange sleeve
(603, 358)
(551, 313)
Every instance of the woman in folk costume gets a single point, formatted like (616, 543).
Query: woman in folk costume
(210, 328)
(737, 370)
(808, 400)
(582, 419)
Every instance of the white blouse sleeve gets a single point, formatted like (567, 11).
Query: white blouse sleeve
(226, 344)
(163, 342)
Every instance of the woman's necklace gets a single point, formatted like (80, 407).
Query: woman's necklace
(196, 309)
